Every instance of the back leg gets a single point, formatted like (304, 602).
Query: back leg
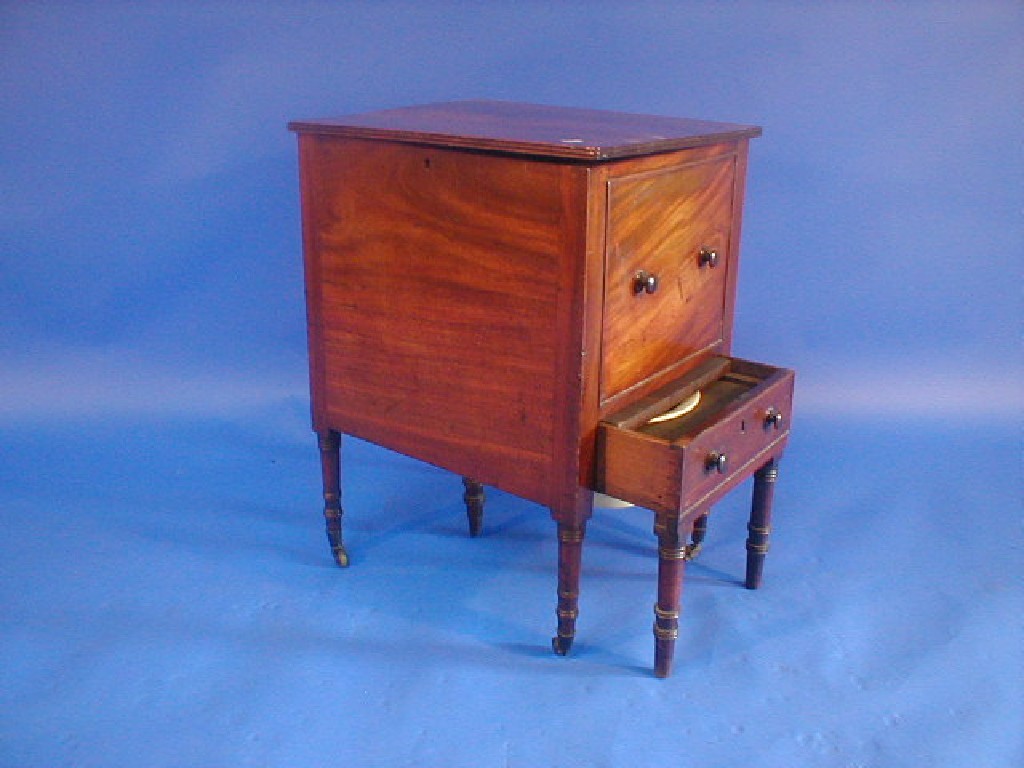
(474, 498)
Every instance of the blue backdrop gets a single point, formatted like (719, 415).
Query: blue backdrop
(152, 361)
(150, 213)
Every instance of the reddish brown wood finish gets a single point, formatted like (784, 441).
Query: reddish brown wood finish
(760, 525)
(742, 436)
(446, 285)
(330, 464)
(659, 224)
(469, 271)
(672, 557)
(672, 474)
(398, 237)
(532, 129)
(733, 265)
(570, 550)
(313, 278)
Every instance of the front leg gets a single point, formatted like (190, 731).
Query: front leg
(672, 557)
(570, 548)
(330, 465)
(760, 525)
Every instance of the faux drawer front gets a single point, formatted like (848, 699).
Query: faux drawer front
(741, 420)
(666, 261)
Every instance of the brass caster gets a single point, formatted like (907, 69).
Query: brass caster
(340, 556)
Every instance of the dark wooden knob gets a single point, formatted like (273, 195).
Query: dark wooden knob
(709, 257)
(645, 282)
(716, 462)
(773, 418)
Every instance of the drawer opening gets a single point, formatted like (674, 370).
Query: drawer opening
(715, 397)
(721, 381)
(741, 417)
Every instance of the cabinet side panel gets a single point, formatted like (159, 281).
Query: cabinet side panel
(313, 277)
(442, 272)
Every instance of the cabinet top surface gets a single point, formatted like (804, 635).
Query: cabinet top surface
(530, 129)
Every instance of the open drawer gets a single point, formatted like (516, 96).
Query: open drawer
(739, 421)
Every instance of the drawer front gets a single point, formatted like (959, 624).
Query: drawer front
(664, 290)
(743, 437)
(680, 471)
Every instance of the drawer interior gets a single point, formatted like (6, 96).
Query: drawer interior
(715, 397)
(721, 381)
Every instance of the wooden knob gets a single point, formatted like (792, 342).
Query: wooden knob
(716, 462)
(645, 282)
(709, 257)
(773, 418)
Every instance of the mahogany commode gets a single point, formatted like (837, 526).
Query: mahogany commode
(513, 291)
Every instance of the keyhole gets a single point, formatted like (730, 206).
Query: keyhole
(743, 426)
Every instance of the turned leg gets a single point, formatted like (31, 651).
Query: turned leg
(672, 557)
(760, 525)
(700, 530)
(474, 498)
(570, 547)
(330, 464)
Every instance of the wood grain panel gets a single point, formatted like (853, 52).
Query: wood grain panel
(640, 469)
(658, 222)
(308, 179)
(441, 280)
(733, 265)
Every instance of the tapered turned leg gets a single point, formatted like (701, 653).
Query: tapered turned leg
(330, 464)
(570, 547)
(760, 526)
(672, 557)
(700, 530)
(474, 498)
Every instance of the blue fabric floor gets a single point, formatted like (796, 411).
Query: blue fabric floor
(168, 599)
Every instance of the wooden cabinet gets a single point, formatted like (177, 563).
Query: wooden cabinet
(510, 291)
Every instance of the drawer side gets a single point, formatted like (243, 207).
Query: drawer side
(638, 469)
